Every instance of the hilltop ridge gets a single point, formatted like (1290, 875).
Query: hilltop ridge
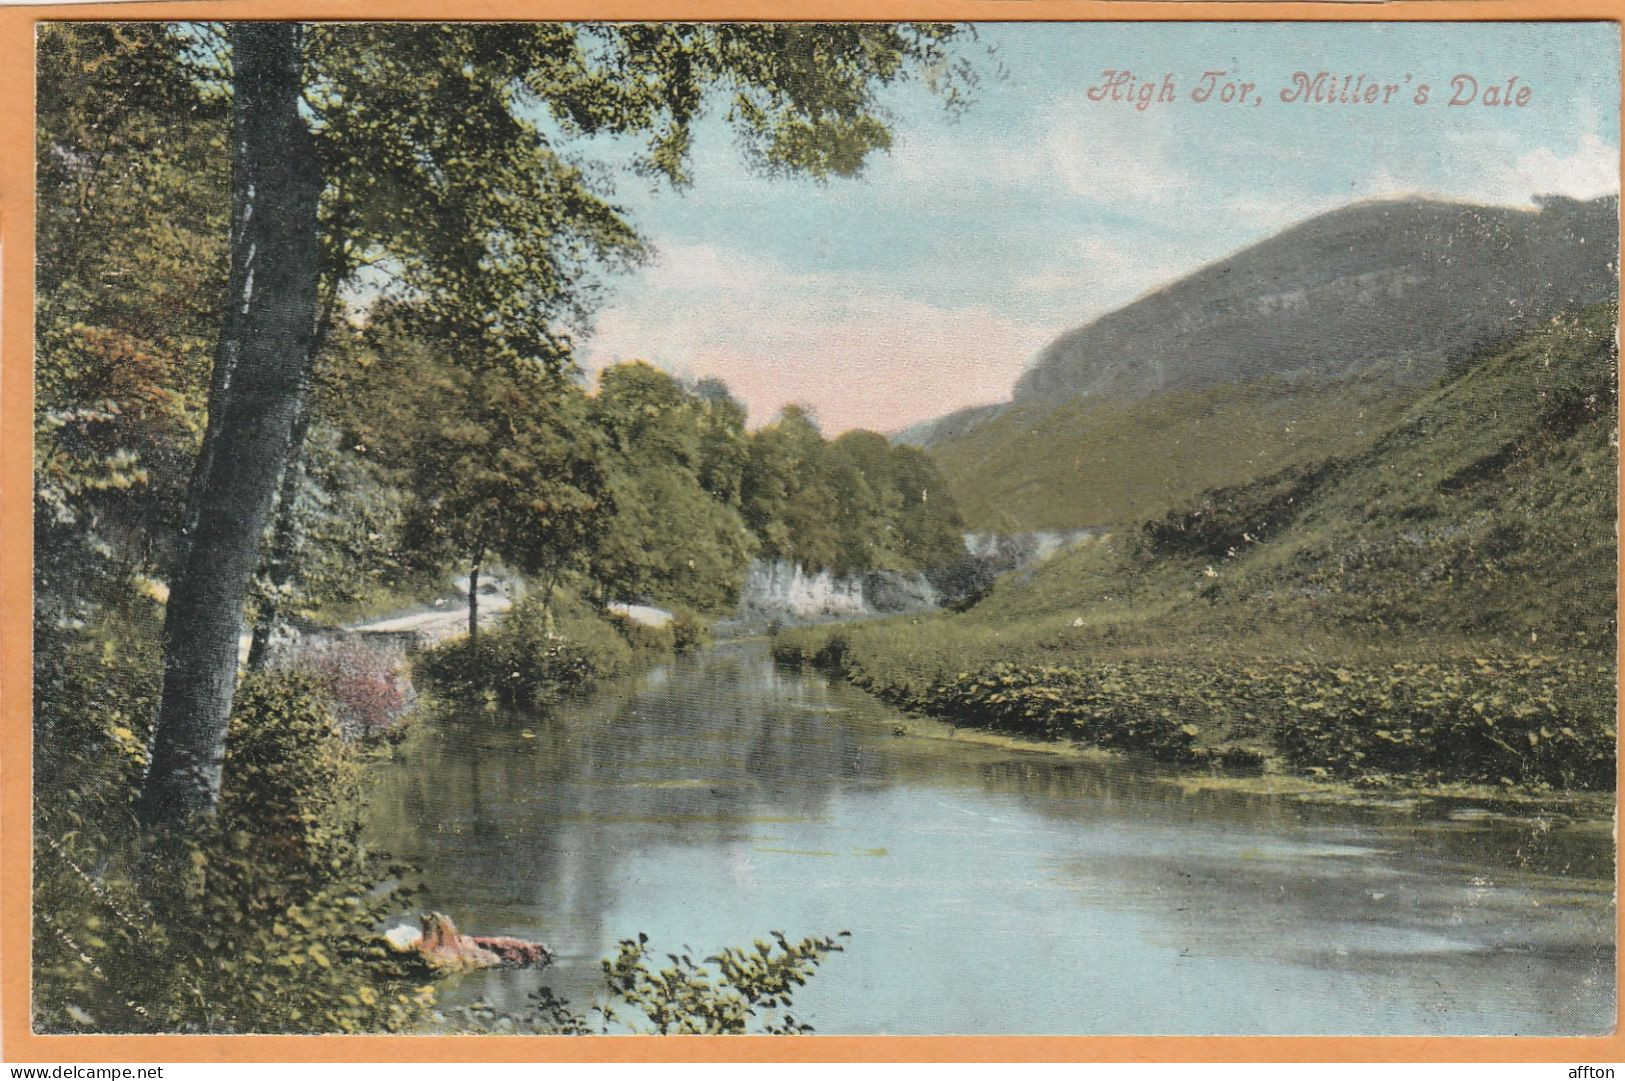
(1296, 347)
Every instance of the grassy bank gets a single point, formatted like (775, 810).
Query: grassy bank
(1527, 720)
(1439, 606)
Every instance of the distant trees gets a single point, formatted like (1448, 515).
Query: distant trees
(672, 456)
(856, 503)
(649, 488)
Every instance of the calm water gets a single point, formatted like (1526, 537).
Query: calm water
(987, 890)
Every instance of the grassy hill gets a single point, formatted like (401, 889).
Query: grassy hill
(1438, 603)
(1296, 348)
(1102, 461)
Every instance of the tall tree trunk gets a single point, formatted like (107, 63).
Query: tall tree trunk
(259, 383)
(474, 595)
(279, 563)
(284, 539)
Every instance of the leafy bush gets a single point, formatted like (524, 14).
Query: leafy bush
(291, 781)
(539, 653)
(645, 639)
(747, 989)
(263, 923)
(96, 684)
(822, 647)
(966, 580)
(690, 631)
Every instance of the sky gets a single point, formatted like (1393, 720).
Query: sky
(928, 283)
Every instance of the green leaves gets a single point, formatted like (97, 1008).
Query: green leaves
(131, 265)
(492, 460)
(854, 503)
(264, 923)
(1534, 719)
(725, 994)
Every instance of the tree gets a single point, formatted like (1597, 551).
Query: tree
(724, 449)
(870, 507)
(256, 391)
(497, 462)
(791, 500)
(132, 199)
(802, 97)
(677, 535)
(931, 533)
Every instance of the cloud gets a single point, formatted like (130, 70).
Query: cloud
(1589, 170)
(1068, 147)
(860, 357)
(1493, 170)
(1484, 168)
(1092, 152)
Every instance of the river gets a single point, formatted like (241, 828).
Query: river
(988, 888)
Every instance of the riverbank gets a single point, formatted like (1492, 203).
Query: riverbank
(1518, 726)
(1451, 800)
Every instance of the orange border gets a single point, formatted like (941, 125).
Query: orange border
(16, 386)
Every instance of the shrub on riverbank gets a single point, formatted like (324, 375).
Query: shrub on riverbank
(369, 687)
(540, 651)
(686, 632)
(690, 631)
(646, 640)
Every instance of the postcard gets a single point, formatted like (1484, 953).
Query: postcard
(980, 528)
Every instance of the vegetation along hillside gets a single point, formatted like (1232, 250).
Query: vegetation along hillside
(1439, 603)
(1298, 347)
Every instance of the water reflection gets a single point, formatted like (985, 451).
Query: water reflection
(988, 889)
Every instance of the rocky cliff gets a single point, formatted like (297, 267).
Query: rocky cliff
(1415, 281)
(1297, 347)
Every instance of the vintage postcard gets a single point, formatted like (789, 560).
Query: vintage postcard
(967, 528)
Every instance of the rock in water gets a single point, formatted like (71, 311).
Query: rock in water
(515, 952)
(442, 946)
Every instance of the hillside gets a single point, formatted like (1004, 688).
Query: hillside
(1267, 357)
(1103, 461)
(1463, 561)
